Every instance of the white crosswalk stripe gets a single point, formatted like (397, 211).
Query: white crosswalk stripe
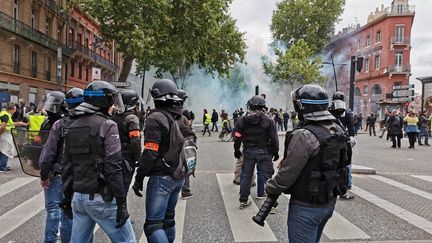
(423, 177)
(404, 187)
(15, 184)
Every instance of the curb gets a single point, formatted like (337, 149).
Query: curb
(358, 169)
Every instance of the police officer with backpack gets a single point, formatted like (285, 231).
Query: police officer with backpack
(159, 161)
(314, 170)
(94, 167)
(51, 169)
(129, 129)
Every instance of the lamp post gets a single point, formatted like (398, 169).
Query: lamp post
(334, 69)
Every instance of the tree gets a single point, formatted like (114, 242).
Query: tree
(310, 20)
(135, 25)
(295, 65)
(201, 33)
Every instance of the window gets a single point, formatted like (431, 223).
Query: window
(378, 37)
(71, 37)
(399, 33)
(358, 45)
(33, 63)
(15, 9)
(79, 38)
(72, 68)
(399, 58)
(348, 51)
(33, 18)
(399, 9)
(377, 62)
(16, 59)
(366, 64)
(48, 68)
(376, 90)
(86, 42)
(367, 41)
(357, 92)
(79, 70)
(86, 72)
(365, 89)
(48, 26)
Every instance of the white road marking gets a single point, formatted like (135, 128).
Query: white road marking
(21, 214)
(423, 177)
(242, 226)
(397, 211)
(14, 184)
(404, 187)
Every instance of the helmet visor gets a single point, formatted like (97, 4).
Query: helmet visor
(52, 104)
(118, 102)
(339, 105)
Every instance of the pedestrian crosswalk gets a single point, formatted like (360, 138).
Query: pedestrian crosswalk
(343, 226)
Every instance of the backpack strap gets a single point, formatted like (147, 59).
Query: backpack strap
(320, 132)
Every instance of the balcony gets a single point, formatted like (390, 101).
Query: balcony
(399, 41)
(399, 69)
(98, 59)
(84, 50)
(19, 28)
(54, 7)
(401, 10)
(16, 67)
(33, 71)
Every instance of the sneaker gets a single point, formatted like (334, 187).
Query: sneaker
(420, 144)
(427, 144)
(6, 171)
(236, 182)
(244, 205)
(261, 197)
(273, 210)
(186, 195)
(346, 196)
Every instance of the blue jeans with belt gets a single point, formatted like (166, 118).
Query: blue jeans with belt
(89, 212)
(53, 196)
(161, 199)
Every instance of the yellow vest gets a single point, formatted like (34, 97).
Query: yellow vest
(10, 124)
(208, 119)
(36, 121)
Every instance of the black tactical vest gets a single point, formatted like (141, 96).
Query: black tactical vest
(256, 135)
(87, 150)
(324, 176)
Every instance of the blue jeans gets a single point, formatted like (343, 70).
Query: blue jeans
(86, 213)
(55, 216)
(305, 224)
(263, 160)
(161, 199)
(423, 133)
(3, 161)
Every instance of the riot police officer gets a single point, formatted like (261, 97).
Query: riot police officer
(54, 106)
(314, 170)
(94, 167)
(51, 169)
(130, 136)
(257, 132)
(162, 188)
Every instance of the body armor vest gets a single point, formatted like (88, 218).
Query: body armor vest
(324, 176)
(255, 135)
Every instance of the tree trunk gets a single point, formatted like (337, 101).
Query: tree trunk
(126, 68)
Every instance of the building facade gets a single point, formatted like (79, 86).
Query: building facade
(384, 43)
(37, 37)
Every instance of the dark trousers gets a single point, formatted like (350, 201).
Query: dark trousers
(372, 128)
(213, 126)
(206, 129)
(285, 125)
(412, 136)
(396, 138)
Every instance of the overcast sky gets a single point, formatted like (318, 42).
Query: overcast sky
(254, 18)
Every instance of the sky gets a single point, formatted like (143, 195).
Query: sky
(254, 18)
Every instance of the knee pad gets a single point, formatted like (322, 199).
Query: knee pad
(168, 221)
(151, 226)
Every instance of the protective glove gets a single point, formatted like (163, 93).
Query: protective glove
(275, 157)
(137, 187)
(122, 214)
(66, 207)
(237, 154)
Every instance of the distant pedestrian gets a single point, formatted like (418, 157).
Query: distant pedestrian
(206, 121)
(214, 120)
(371, 123)
(395, 124)
(384, 124)
(360, 121)
(286, 118)
(423, 126)
(411, 128)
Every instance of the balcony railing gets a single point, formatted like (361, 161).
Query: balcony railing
(104, 62)
(83, 49)
(54, 7)
(16, 67)
(33, 71)
(400, 10)
(399, 69)
(400, 40)
(48, 75)
(26, 31)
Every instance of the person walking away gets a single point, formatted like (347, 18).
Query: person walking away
(130, 135)
(50, 164)
(384, 124)
(257, 132)
(93, 167)
(395, 124)
(207, 121)
(423, 125)
(7, 147)
(360, 121)
(286, 118)
(371, 123)
(315, 150)
(163, 188)
(214, 120)
(411, 128)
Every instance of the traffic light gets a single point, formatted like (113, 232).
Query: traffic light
(359, 64)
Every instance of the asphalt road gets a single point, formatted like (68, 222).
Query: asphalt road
(394, 205)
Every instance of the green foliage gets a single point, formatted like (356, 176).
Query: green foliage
(310, 20)
(295, 66)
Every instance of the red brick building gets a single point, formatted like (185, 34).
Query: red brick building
(384, 43)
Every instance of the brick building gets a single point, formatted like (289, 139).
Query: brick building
(32, 31)
(384, 43)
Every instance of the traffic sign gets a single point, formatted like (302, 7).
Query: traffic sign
(402, 93)
(406, 86)
(121, 84)
(403, 99)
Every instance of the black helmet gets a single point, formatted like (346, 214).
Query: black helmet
(256, 103)
(74, 97)
(130, 98)
(103, 95)
(310, 98)
(182, 94)
(164, 89)
(338, 103)
(54, 102)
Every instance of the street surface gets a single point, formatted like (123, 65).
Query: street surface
(393, 205)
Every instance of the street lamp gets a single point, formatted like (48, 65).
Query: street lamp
(334, 70)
